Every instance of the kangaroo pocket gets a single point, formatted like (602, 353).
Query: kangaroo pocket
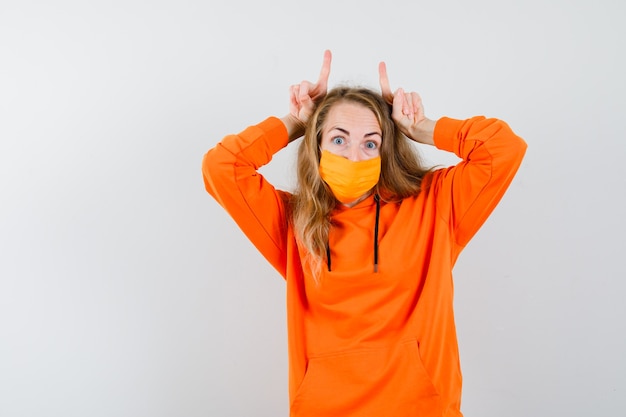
(381, 382)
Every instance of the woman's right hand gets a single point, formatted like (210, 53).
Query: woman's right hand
(305, 96)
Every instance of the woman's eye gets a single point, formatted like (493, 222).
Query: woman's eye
(337, 141)
(371, 145)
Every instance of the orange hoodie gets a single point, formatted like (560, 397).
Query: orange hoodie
(364, 343)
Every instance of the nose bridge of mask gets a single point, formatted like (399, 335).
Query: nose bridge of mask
(341, 165)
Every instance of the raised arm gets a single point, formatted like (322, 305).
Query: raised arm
(468, 192)
(491, 154)
(231, 176)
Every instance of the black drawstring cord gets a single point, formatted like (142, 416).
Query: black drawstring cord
(377, 199)
(328, 255)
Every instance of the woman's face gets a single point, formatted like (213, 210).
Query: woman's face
(352, 131)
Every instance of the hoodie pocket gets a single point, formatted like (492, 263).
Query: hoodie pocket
(380, 382)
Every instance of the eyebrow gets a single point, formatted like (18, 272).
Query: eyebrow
(348, 133)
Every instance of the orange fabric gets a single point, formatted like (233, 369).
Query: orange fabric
(363, 343)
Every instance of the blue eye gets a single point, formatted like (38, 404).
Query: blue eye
(338, 140)
(371, 144)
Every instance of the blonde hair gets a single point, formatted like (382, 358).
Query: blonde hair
(313, 201)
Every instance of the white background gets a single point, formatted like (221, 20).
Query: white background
(125, 290)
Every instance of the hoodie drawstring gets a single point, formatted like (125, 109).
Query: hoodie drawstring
(377, 200)
(328, 255)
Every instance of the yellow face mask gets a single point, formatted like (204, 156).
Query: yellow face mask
(349, 180)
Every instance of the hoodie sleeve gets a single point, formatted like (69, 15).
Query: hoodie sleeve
(468, 192)
(230, 176)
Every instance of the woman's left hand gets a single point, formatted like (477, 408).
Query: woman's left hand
(407, 110)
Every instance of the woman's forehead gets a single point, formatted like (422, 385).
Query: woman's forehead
(349, 115)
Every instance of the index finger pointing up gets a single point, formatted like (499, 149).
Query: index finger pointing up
(325, 72)
(385, 88)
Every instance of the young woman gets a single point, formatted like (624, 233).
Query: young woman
(367, 241)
